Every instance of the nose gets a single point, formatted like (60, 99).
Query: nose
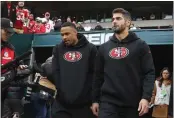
(114, 22)
(64, 37)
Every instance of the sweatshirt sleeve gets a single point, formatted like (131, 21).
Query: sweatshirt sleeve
(55, 66)
(98, 77)
(148, 70)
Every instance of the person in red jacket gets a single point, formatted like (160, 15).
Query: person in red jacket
(21, 17)
(42, 28)
(31, 23)
(10, 97)
(39, 27)
(7, 50)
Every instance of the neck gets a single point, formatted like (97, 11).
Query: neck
(165, 80)
(122, 35)
(75, 42)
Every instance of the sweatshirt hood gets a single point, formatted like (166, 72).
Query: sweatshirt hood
(130, 38)
(81, 41)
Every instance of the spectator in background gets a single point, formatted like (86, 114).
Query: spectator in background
(55, 19)
(49, 25)
(161, 94)
(39, 27)
(57, 25)
(80, 27)
(31, 23)
(132, 27)
(74, 22)
(21, 17)
(68, 19)
(44, 22)
(8, 10)
(26, 26)
(87, 28)
(98, 27)
(152, 17)
(170, 26)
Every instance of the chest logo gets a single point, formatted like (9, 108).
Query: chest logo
(5, 54)
(72, 56)
(119, 53)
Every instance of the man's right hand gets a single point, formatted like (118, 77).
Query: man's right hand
(95, 108)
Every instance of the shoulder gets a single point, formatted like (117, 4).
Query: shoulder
(91, 45)
(141, 42)
(11, 46)
(57, 46)
(143, 46)
(102, 46)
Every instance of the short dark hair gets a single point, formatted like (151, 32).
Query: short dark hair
(125, 13)
(69, 24)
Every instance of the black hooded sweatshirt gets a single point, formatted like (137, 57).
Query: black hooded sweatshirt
(124, 72)
(73, 69)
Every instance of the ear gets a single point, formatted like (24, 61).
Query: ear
(75, 31)
(128, 23)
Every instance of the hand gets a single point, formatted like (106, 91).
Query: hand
(95, 108)
(22, 67)
(143, 107)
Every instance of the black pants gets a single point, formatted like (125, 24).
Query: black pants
(59, 111)
(11, 106)
(112, 111)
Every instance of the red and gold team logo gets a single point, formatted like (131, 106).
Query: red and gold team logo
(119, 53)
(72, 56)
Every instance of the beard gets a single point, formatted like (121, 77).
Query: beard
(118, 30)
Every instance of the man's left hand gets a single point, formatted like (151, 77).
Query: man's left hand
(143, 107)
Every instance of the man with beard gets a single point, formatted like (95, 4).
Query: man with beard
(73, 69)
(124, 73)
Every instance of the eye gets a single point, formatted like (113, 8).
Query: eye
(113, 19)
(118, 18)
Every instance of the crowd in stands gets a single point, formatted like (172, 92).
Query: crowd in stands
(25, 22)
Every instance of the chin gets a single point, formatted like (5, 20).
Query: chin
(67, 44)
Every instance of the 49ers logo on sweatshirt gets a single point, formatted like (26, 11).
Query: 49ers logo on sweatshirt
(119, 53)
(72, 56)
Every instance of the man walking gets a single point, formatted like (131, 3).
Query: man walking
(124, 71)
(73, 69)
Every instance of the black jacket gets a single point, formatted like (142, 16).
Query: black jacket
(4, 11)
(124, 72)
(73, 69)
